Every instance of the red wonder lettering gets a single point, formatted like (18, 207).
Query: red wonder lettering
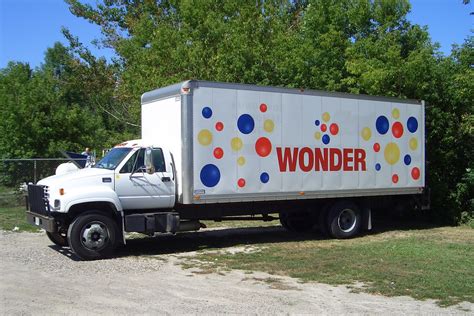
(321, 159)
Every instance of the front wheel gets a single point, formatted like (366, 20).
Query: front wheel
(93, 236)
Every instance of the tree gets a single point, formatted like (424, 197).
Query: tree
(51, 108)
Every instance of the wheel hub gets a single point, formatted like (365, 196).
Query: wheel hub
(94, 235)
(347, 220)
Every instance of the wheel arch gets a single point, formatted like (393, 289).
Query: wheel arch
(105, 207)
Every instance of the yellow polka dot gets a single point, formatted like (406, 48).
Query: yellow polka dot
(413, 143)
(396, 113)
(241, 161)
(236, 143)
(268, 126)
(205, 137)
(392, 153)
(326, 117)
(317, 135)
(366, 133)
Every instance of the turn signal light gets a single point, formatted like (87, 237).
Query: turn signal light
(61, 191)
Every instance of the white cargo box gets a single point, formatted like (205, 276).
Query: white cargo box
(235, 143)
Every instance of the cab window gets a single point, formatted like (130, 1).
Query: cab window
(158, 160)
(137, 161)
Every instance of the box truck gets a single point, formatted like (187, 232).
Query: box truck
(222, 151)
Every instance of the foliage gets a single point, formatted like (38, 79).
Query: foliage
(357, 46)
(54, 107)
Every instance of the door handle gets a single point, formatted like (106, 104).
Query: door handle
(166, 179)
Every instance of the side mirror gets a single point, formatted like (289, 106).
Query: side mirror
(150, 169)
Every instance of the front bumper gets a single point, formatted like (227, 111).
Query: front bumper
(46, 222)
(38, 210)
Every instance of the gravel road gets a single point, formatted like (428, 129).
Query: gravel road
(38, 278)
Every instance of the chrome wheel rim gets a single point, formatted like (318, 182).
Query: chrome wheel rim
(94, 235)
(347, 220)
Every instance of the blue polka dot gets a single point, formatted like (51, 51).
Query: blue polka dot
(326, 139)
(264, 177)
(207, 112)
(377, 167)
(245, 123)
(317, 122)
(210, 175)
(412, 124)
(382, 125)
(407, 160)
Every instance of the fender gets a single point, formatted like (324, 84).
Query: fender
(89, 194)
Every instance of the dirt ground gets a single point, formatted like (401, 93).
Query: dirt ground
(38, 278)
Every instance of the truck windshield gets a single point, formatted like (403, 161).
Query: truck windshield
(113, 158)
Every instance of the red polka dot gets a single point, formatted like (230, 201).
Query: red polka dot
(219, 126)
(334, 129)
(376, 147)
(395, 178)
(241, 182)
(263, 146)
(263, 107)
(415, 173)
(324, 127)
(397, 129)
(218, 153)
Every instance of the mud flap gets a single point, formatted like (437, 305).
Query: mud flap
(366, 218)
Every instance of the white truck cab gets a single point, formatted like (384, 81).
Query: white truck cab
(120, 178)
(133, 176)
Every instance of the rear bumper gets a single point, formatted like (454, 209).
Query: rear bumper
(46, 222)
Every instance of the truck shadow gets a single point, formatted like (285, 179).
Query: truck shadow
(210, 239)
(231, 237)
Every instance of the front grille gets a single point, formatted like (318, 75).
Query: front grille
(38, 199)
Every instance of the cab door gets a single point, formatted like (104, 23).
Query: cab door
(137, 189)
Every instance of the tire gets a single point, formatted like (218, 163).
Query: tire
(298, 222)
(344, 220)
(58, 239)
(93, 236)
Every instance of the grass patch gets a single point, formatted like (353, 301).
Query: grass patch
(470, 223)
(10, 197)
(432, 263)
(11, 217)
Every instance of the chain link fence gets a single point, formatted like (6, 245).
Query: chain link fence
(15, 174)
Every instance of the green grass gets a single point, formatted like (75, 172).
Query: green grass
(435, 263)
(10, 197)
(470, 223)
(11, 217)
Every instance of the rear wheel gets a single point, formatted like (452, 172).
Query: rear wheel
(57, 238)
(93, 236)
(344, 220)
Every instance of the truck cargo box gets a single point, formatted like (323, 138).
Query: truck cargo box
(235, 142)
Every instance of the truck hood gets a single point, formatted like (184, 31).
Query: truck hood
(86, 176)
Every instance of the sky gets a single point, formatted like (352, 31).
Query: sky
(29, 27)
